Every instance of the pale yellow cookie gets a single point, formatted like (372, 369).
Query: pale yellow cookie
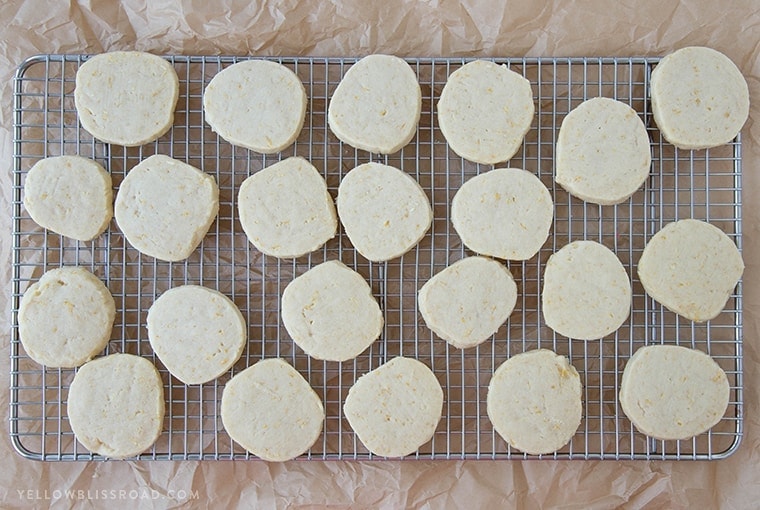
(395, 408)
(384, 211)
(165, 207)
(602, 154)
(673, 392)
(66, 317)
(586, 292)
(691, 267)
(286, 210)
(330, 312)
(126, 97)
(505, 213)
(69, 195)
(699, 98)
(116, 405)
(196, 332)
(270, 409)
(484, 111)
(257, 104)
(468, 301)
(376, 106)
(534, 401)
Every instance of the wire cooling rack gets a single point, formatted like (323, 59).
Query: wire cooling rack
(683, 184)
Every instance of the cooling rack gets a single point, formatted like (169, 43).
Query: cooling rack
(699, 184)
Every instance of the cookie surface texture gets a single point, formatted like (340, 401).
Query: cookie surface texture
(692, 268)
(69, 195)
(673, 392)
(395, 408)
(126, 97)
(165, 207)
(505, 213)
(699, 98)
(587, 291)
(286, 210)
(534, 401)
(468, 301)
(330, 312)
(485, 111)
(384, 211)
(257, 104)
(376, 106)
(196, 332)
(271, 411)
(116, 405)
(602, 153)
(66, 317)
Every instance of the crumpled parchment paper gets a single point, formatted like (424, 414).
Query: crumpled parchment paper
(405, 28)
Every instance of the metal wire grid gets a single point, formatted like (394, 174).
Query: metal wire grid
(700, 184)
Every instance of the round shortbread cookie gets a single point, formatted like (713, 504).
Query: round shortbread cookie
(691, 267)
(66, 317)
(384, 211)
(395, 408)
(196, 332)
(484, 111)
(69, 195)
(330, 312)
(257, 104)
(286, 210)
(602, 152)
(504, 213)
(376, 106)
(164, 207)
(672, 392)
(587, 292)
(271, 411)
(534, 401)
(126, 97)
(699, 98)
(116, 405)
(468, 301)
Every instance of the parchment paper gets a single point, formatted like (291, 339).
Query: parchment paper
(411, 28)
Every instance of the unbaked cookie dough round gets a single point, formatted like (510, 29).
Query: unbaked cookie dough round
(66, 317)
(69, 195)
(116, 405)
(257, 104)
(271, 411)
(196, 332)
(673, 392)
(587, 292)
(395, 408)
(691, 267)
(505, 213)
(534, 401)
(384, 211)
(286, 210)
(126, 97)
(484, 111)
(699, 98)
(376, 106)
(602, 153)
(468, 301)
(330, 312)
(164, 207)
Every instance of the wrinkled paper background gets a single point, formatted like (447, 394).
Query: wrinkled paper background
(409, 28)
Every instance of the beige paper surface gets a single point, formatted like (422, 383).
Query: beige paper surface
(411, 28)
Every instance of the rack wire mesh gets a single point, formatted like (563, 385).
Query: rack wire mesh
(700, 184)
